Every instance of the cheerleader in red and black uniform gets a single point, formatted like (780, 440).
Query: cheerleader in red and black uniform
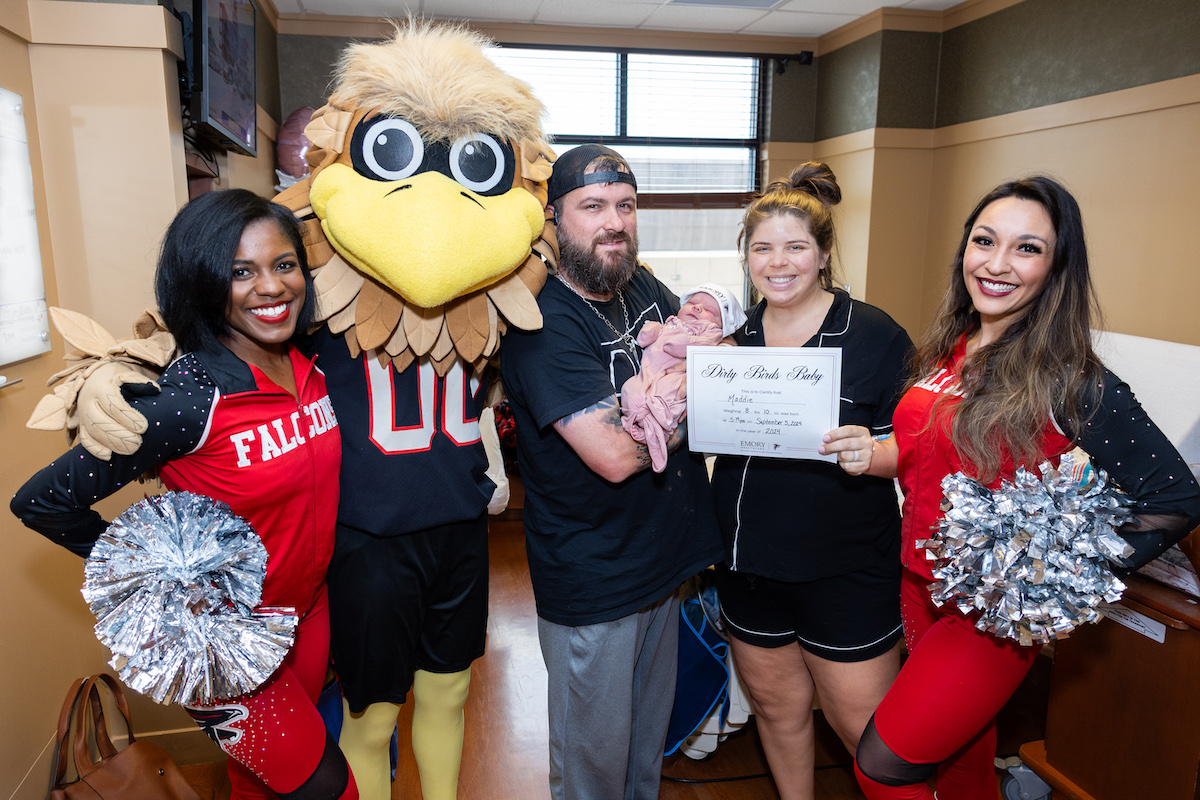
(245, 418)
(1005, 376)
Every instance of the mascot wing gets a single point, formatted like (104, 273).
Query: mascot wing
(425, 209)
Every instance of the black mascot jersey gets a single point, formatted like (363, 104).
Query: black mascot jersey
(412, 457)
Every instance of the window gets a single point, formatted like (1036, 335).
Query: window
(690, 126)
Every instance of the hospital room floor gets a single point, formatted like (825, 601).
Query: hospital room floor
(504, 752)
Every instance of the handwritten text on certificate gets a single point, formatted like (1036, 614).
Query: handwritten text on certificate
(762, 401)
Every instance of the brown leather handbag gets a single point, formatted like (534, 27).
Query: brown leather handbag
(141, 771)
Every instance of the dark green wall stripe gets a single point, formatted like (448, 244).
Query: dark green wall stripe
(1042, 52)
(791, 102)
(306, 69)
(848, 88)
(908, 80)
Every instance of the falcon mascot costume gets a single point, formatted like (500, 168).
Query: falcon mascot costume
(423, 220)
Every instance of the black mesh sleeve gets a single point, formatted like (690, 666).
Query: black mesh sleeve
(1121, 439)
(56, 502)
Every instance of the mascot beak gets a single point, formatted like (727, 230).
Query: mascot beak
(426, 237)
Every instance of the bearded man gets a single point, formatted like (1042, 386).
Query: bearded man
(609, 542)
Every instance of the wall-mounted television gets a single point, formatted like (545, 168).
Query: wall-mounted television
(222, 71)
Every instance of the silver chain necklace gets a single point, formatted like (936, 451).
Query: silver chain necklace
(625, 338)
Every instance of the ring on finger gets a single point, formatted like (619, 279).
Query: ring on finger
(855, 456)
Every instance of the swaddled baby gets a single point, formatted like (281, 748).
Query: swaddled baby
(654, 400)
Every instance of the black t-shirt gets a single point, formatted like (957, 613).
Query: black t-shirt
(598, 550)
(798, 520)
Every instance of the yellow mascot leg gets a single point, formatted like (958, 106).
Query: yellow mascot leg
(364, 741)
(437, 730)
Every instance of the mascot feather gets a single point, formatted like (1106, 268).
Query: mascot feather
(424, 222)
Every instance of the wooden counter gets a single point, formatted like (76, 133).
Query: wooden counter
(1124, 716)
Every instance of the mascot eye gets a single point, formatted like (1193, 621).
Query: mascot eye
(479, 163)
(391, 149)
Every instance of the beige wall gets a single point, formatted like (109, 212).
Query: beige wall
(107, 152)
(1134, 170)
(897, 253)
(105, 81)
(1130, 158)
(854, 171)
(45, 634)
(110, 127)
(102, 109)
(780, 158)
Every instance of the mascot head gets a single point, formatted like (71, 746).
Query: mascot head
(426, 202)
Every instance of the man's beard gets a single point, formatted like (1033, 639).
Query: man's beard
(595, 273)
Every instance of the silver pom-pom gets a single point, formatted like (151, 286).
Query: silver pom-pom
(1032, 558)
(174, 583)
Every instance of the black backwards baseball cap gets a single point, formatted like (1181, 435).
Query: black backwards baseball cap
(569, 172)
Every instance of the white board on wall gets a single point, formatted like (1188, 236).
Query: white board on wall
(24, 327)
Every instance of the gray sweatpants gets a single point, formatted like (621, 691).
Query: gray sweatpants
(611, 687)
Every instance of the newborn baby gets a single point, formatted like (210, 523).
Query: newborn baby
(654, 400)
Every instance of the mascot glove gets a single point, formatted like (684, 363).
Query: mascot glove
(90, 398)
(107, 423)
(495, 468)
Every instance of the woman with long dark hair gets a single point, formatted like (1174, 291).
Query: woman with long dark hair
(1005, 377)
(244, 418)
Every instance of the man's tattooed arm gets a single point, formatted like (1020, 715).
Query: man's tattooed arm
(596, 436)
(608, 409)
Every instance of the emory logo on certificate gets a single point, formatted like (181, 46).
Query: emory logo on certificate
(762, 401)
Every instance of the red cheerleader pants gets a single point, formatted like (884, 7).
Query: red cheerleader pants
(940, 714)
(277, 742)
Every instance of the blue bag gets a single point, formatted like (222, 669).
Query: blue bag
(703, 678)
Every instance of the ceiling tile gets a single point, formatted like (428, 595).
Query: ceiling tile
(359, 8)
(855, 8)
(594, 14)
(786, 23)
(746, 5)
(701, 18)
(481, 10)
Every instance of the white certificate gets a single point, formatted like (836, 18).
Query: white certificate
(763, 401)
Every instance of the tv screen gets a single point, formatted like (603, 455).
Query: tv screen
(224, 98)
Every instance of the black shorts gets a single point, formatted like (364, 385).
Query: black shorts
(851, 617)
(402, 603)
